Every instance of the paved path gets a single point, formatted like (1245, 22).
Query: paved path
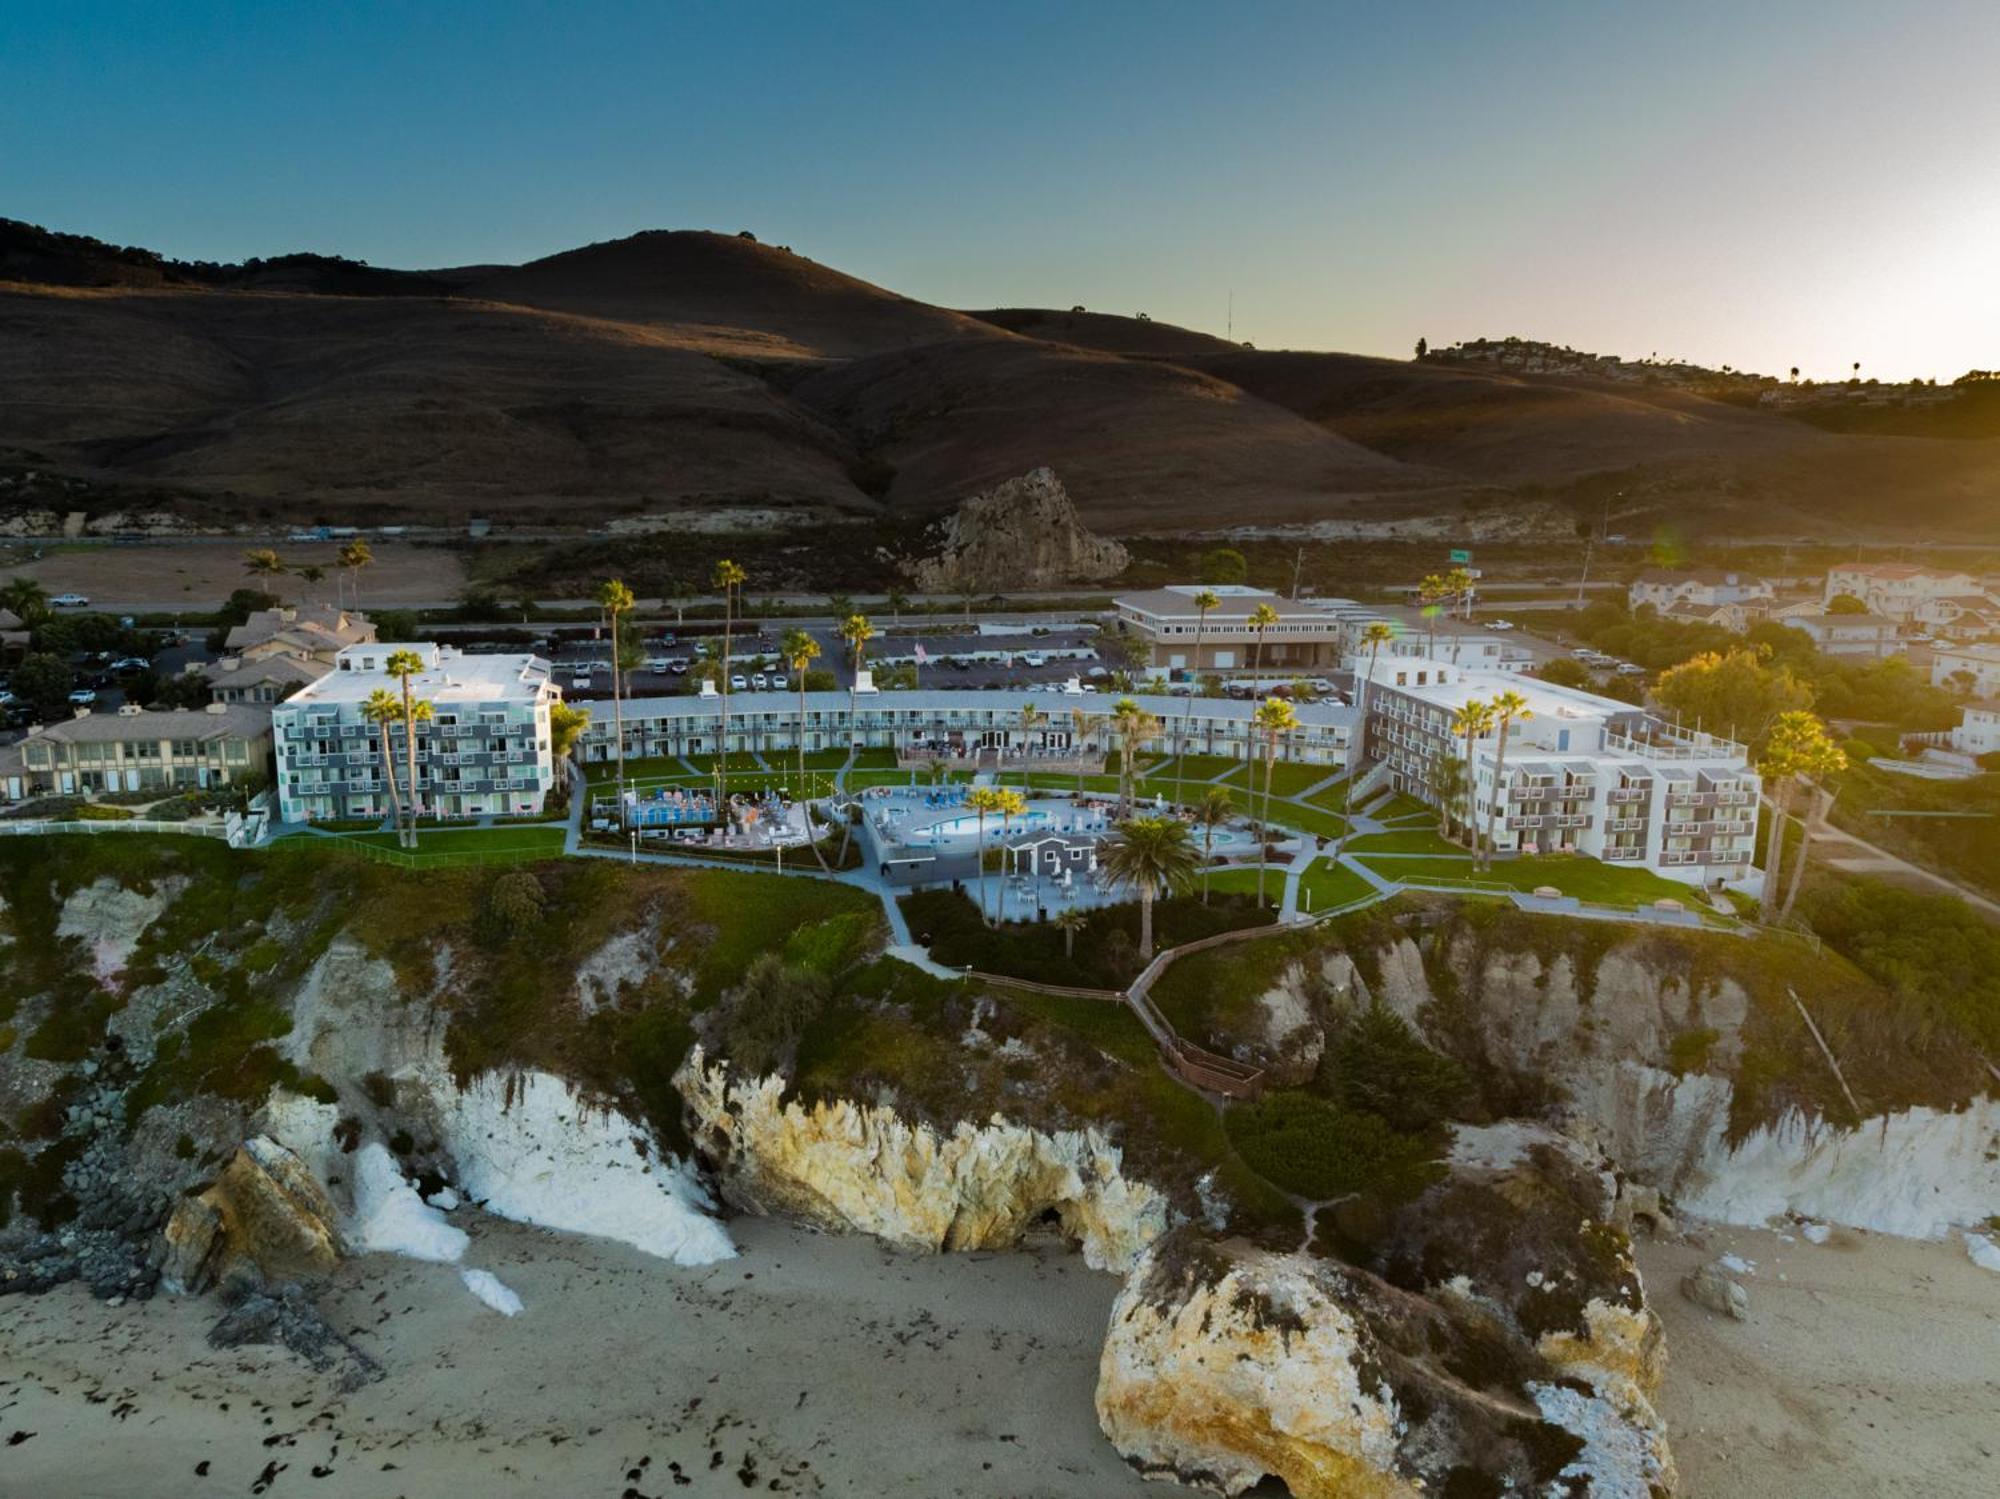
(1841, 850)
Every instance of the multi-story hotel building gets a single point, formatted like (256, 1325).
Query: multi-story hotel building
(484, 751)
(136, 750)
(1584, 774)
(960, 724)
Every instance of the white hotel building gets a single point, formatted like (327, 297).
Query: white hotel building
(1584, 774)
(959, 724)
(485, 750)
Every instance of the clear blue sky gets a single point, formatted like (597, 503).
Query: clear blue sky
(1762, 184)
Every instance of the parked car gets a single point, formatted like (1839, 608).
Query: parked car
(131, 663)
(83, 697)
(780, 683)
(70, 601)
(1502, 624)
(736, 682)
(580, 680)
(1628, 669)
(760, 682)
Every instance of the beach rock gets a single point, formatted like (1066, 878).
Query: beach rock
(1712, 1286)
(1021, 534)
(285, 1315)
(1491, 1336)
(856, 1166)
(266, 1212)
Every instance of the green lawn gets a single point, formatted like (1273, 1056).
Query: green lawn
(1240, 879)
(1325, 885)
(1301, 816)
(1332, 797)
(1573, 874)
(1405, 841)
(511, 839)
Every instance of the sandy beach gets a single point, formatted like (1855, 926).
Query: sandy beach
(1869, 1366)
(810, 1365)
(818, 1364)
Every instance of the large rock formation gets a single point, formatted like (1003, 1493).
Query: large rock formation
(266, 1213)
(855, 1166)
(1492, 1338)
(1020, 534)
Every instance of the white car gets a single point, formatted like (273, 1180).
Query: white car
(736, 683)
(83, 697)
(1034, 659)
(778, 684)
(1628, 669)
(1501, 624)
(760, 681)
(580, 679)
(70, 601)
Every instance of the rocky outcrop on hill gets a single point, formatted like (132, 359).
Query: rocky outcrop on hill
(857, 1166)
(1493, 1340)
(1021, 534)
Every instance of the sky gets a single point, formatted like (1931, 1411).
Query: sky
(1761, 185)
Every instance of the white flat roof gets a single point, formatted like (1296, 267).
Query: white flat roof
(449, 676)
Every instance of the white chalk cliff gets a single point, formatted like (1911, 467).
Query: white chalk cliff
(858, 1166)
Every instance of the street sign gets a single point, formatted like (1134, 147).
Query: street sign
(1460, 554)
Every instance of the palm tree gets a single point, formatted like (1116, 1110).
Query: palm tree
(1083, 725)
(800, 650)
(382, 709)
(1377, 635)
(354, 556)
(403, 665)
(1214, 809)
(729, 578)
(1430, 591)
(1274, 716)
(1261, 619)
(614, 598)
(264, 563)
(857, 632)
(1798, 750)
(1135, 726)
(1507, 707)
(991, 799)
(1069, 921)
(897, 601)
(1458, 588)
(1472, 722)
(25, 599)
(1030, 717)
(313, 573)
(1151, 855)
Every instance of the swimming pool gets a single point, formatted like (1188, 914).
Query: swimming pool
(968, 826)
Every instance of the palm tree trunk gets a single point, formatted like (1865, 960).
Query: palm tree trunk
(1471, 803)
(1146, 923)
(1774, 856)
(984, 914)
(410, 759)
(800, 669)
(389, 772)
(1493, 806)
(618, 710)
(1820, 805)
(722, 742)
(1207, 856)
(1264, 823)
(1357, 755)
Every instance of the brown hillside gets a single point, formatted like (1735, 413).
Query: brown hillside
(1139, 444)
(411, 405)
(711, 290)
(1106, 332)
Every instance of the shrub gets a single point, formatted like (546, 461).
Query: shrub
(758, 1023)
(99, 812)
(514, 903)
(1318, 1149)
(1378, 1065)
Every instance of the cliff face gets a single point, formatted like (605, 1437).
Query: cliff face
(1486, 1344)
(856, 1166)
(1021, 534)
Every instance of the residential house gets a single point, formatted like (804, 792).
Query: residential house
(1972, 668)
(1847, 636)
(1969, 616)
(1978, 731)
(135, 749)
(1705, 588)
(274, 652)
(1896, 590)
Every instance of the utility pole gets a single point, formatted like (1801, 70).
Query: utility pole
(1298, 566)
